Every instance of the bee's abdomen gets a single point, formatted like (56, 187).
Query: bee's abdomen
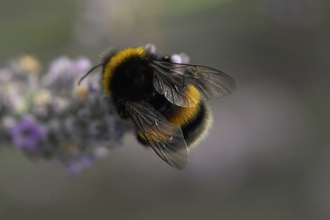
(196, 127)
(193, 121)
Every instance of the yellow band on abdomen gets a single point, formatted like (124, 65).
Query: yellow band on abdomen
(183, 115)
(179, 116)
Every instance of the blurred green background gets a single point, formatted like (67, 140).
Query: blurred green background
(267, 155)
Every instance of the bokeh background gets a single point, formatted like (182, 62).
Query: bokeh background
(267, 155)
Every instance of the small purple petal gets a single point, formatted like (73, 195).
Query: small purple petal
(79, 164)
(59, 68)
(69, 124)
(59, 104)
(101, 152)
(175, 58)
(94, 86)
(81, 65)
(95, 128)
(40, 110)
(117, 130)
(27, 133)
(83, 114)
(5, 76)
(150, 47)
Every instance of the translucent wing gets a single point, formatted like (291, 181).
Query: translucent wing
(164, 137)
(172, 79)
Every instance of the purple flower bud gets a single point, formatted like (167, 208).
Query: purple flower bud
(150, 47)
(27, 133)
(95, 128)
(59, 104)
(5, 76)
(79, 164)
(94, 86)
(40, 111)
(100, 152)
(60, 70)
(117, 130)
(83, 114)
(69, 124)
(81, 65)
(176, 58)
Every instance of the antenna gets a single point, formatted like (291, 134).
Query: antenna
(91, 70)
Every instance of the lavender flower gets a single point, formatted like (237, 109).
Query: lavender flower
(50, 116)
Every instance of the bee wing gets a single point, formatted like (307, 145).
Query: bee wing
(165, 138)
(172, 79)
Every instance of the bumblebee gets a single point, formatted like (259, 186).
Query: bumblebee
(166, 100)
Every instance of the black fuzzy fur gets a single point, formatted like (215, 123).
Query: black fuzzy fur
(132, 81)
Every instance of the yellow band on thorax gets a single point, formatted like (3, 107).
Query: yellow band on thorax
(116, 60)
